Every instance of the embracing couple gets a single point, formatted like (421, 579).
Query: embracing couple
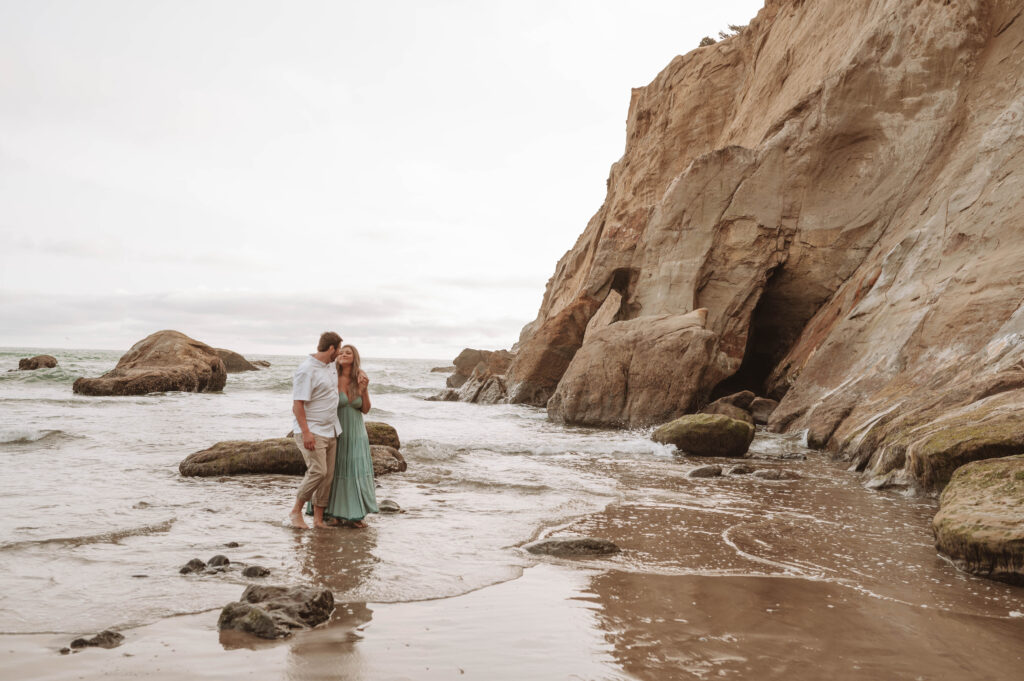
(330, 396)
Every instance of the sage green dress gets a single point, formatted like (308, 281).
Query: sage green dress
(353, 492)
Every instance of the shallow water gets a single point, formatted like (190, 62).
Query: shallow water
(810, 574)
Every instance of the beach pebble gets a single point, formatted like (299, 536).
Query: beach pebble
(776, 474)
(218, 561)
(705, 472)
(232, 545)
(194, 565)
(389, 506)
(255, 571)
(65, 651)
(569, 547)
(105, 639)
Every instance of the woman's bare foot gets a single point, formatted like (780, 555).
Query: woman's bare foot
(358, 524)
(333, 522)
(297, 521)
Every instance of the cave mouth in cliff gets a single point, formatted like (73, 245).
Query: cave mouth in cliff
(775, 325)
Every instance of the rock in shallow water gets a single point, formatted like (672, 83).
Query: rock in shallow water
(163, 361)
(194, 565)
(705, 472)
(707, 435)
(775, 474)
(234, 363)
(571, 547)
(387, 460)
(218, 561)
(37, 362)
(980, 523)
(276, 611)
(389, 506)
(255, 571)
(382, 434)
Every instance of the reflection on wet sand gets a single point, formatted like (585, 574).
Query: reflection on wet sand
(682, 627)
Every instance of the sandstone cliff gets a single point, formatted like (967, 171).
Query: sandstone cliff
(840, 187)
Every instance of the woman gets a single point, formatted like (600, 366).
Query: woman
(353, 489)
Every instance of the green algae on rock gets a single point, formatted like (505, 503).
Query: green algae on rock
(980, 523)
(382, 434)
(707, 435)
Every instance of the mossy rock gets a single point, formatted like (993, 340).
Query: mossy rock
(980, 523)
(237, 457)
(382, 434)
(975, 435)
(707, 435)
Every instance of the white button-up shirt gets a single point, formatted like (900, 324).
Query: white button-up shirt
(316, 384)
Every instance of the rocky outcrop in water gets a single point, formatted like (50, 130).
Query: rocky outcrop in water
(37, 362)
(979, 524)
(164, 361)
(707, 435)
(276, 611)
(840, 187)
(234, 363)
(281, 456)
(479, 377)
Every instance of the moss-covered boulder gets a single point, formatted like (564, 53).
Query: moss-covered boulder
(707, 435)
(975, 435)
(382, 434)
(279, 456)
(980, 523)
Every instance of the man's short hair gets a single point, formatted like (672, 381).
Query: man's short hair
(327, 339)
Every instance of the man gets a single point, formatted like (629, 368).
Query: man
(316, 426)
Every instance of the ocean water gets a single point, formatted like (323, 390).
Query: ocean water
(95, 522)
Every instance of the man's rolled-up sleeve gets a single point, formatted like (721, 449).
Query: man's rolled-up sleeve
(302, 386)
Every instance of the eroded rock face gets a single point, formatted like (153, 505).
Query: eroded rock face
(639, 372)
(37, 362)
(979, 521)
(164, 361)
(234, 363)
(479, 377)
(707, 435)
(276, 611)
(840, 186)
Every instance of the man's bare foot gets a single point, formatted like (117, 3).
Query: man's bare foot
(297, 521)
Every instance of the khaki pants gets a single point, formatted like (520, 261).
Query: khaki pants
(316, 484)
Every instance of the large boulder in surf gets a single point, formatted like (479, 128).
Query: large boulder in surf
(387, 460)
(479, 377)
(639, 372)
(279, 456)
(707, 435)
(382, 434)
(276, 611)
(163, 361)
(37, 362)
(980, 523)
(234, 363)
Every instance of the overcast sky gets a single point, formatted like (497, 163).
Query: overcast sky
(252, 173)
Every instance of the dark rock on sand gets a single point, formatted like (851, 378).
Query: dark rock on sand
(218, 561)
(762, 409)
(166, 360)
(387, 460)
(980, 523)
(741, 469)
(707, 435)
(255, 571)
(37, 362)
(571, 547)
(382, 434)
(234, 363)
(238, 457)
(194, 565)
(389, 506)
(104, 639)
(276, 611)
(775, 474)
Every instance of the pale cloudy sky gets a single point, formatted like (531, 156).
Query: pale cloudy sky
(254, 172)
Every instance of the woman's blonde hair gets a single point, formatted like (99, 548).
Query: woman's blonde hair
(355, 361)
